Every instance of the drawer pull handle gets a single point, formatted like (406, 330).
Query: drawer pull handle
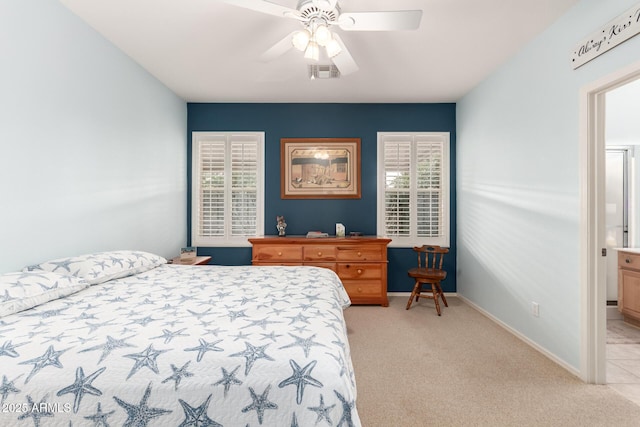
(319, 253)
(628, 260)
(360, 290)
(359, 271)
(279, 253)
(359, 253)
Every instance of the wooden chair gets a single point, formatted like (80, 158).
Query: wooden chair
(431, 274)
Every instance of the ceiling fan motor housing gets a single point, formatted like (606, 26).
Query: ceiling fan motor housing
(318, 9)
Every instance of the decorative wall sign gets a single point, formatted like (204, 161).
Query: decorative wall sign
(320, 168)
(609, 36)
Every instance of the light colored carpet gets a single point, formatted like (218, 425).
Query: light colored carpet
(414, 368)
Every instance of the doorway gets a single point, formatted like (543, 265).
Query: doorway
(593, 242)
(616, 215)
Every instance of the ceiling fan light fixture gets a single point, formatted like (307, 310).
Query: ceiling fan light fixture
(322, 35)
(301, 39)
(312, 52)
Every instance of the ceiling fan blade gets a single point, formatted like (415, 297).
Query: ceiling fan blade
(397, 20)
(265, 6)
(278, 49)
(344, 61)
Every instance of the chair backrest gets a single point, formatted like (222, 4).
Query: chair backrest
(433, 256)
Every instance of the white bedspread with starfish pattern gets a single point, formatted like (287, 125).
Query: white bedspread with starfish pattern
(184, 346)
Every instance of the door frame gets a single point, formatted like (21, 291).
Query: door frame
(592, 222)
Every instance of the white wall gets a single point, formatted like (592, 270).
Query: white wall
(623, 115)
(92, 147)
(518, 181)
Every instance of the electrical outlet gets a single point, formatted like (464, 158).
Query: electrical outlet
(535, 309)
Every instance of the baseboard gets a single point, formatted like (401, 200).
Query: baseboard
(613, 313)
(523, 338)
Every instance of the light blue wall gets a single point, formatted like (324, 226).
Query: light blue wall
(92, 148)
(518, 181)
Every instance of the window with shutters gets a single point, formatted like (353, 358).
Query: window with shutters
(413, 188)
(227, 188)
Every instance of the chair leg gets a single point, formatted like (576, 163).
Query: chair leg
(444, 300)
(434, 289)
(414, 294)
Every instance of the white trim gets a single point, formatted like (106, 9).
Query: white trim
(592, 181)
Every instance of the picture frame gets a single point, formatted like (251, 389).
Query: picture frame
(320, 168)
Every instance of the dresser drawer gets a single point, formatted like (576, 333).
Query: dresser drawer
(319, 253)
(277, 253)
(363, 253)
(362, 289)
(359, 271)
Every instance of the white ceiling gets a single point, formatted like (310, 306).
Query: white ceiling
(208, 51)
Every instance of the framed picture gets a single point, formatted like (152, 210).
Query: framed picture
(320, 168)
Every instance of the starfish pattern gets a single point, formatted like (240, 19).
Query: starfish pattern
(204, 347)
(252, 353)
(7, 387)
(305, 343)
(49, 358)
(301, 377)
(99, 418)
(299, 318)
(271, 336)
(35, 412)
(262, 323)
(9, 349)
(233, 315)
(228, 379)
(322, 410)
(81, 386)
(260, 403)
(140, 414)
(107, 347)
(197, 417)
(346, 411)
(169, 335)
(62, 264)
(178, 374)
(145, 358)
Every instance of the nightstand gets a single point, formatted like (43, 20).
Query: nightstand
(199, 260)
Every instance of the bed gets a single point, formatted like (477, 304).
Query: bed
(173, 345)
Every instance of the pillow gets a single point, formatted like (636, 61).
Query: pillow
(23, 290)
(103, 266)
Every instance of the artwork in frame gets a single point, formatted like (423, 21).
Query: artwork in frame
(320, 168)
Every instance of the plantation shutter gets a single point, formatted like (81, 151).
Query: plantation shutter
(413, 201)
(227, 187)
(211, 193)
(429, 186)
(244, 166)
(397, 195)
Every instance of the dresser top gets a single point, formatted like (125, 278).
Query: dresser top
(318, 240)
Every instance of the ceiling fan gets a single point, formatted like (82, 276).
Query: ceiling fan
(317, 38)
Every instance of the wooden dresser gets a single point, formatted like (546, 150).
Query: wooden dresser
(360, 262)
(629, 284)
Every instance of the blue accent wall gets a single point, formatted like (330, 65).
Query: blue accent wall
(362, 121)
